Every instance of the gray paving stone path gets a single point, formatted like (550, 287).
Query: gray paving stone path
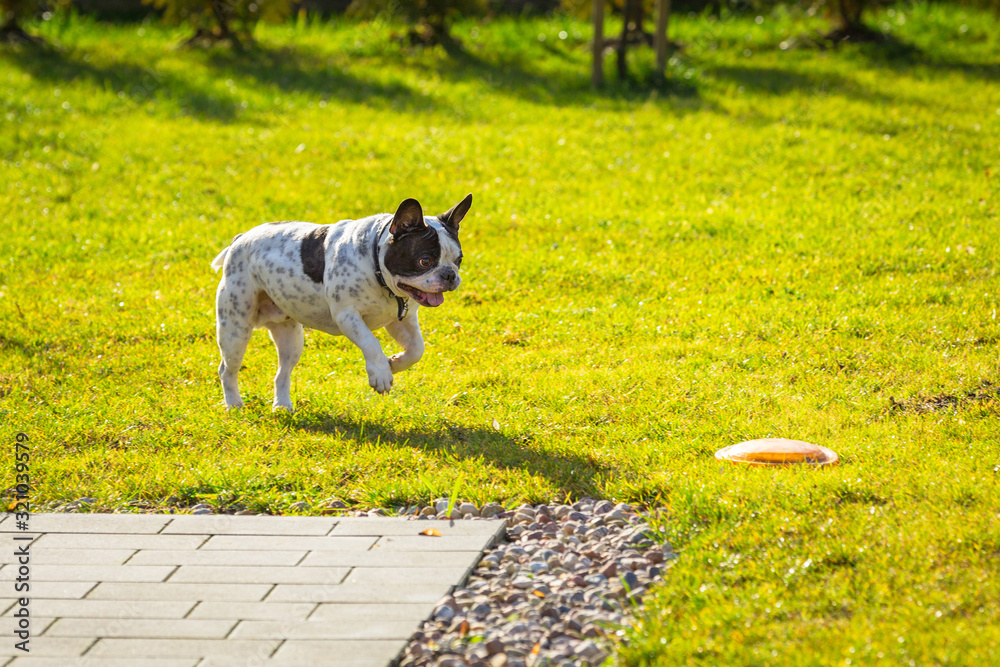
(161, 590)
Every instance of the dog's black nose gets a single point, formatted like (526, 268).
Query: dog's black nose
(448, 274)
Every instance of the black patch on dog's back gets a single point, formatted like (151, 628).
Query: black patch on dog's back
(313, 253)
(404, 253)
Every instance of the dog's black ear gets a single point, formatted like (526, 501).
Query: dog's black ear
(409, 217)
(453, 218)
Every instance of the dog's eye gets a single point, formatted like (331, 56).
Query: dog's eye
(458, 262)
(425, 262)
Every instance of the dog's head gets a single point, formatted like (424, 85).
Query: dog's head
(423, 254)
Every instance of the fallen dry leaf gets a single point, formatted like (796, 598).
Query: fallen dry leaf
(431, 532)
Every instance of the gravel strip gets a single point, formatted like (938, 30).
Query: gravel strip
(557, 594)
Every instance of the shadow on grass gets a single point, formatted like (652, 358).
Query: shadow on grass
(287, 68)
(573, 475)
(901, 56)
(291, 69)
(889, 50)
(987, 72)
(513, 73)
(47, 63)
(782, 81)
(873, 42)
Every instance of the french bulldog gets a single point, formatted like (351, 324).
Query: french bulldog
(347, 279)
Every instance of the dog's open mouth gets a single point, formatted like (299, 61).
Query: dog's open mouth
(431, 299)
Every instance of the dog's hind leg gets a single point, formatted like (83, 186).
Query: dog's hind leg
(234, 312)
(288, 339)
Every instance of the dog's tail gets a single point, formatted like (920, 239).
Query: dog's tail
(220, 259)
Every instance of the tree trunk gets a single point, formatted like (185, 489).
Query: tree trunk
(636, 18)
(12, 33)
(849, 14)
(849, 26)
(223, 21)
(660, 36)
(597, 48)
(627, 12)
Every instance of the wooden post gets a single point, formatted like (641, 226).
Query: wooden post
(597, 74)
(660, 36)
(623, 44)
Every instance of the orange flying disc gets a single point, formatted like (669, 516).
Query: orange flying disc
(777, 452)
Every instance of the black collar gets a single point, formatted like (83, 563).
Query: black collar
(403, 304)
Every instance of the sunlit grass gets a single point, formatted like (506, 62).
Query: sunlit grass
(778, 243)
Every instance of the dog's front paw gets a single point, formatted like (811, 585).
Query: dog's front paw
(234, 406)
(380, 376)
(278, 407)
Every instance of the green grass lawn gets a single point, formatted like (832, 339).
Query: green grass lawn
(790, 243)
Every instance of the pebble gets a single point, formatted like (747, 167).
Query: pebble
(603, 507)
(543, 597)
(444, 614)
(490, 510)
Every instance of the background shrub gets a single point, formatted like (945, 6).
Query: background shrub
(14, 12)
(222, 20)
(429, 19)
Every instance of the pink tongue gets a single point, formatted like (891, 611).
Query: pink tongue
(434, 299)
